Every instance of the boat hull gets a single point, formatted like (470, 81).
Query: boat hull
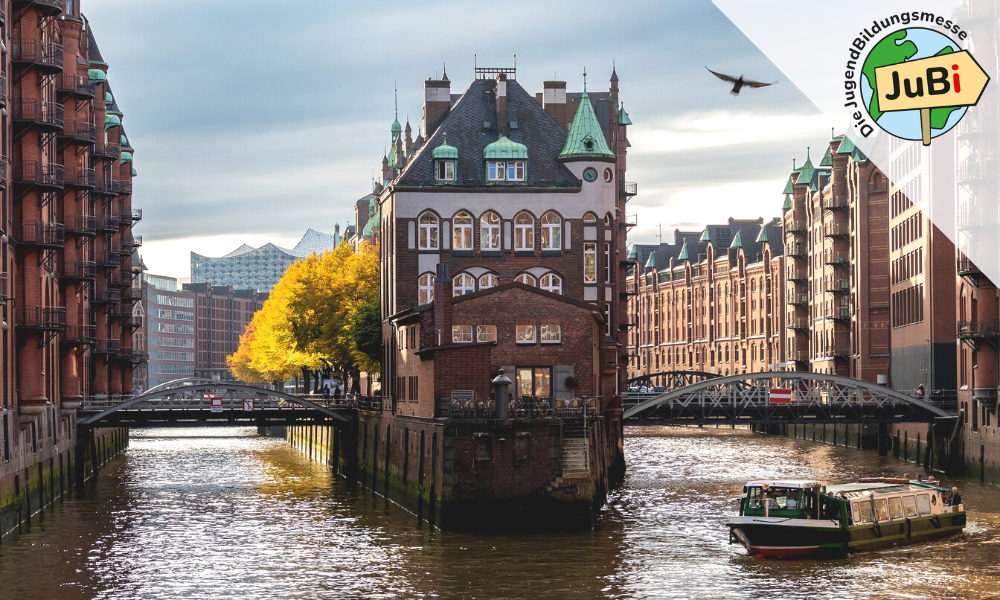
(773, 537)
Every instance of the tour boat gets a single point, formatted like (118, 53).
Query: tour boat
(794, 517)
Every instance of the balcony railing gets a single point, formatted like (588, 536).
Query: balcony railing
(798, 298)
(526, 407)
(106, 296)
(46, 55)
(35, 173)
(79, 335)
(798, 250)
(798, 323)
(3, 80)
(108, 260)
(133, 322)
(79, 85)
(120, 279)
(3, 172)
(80, 131)
(107, 150)
(799, 355)
(838, 284)
(107, 347)
(81, 270)
(976, 11)
(629, 189)
(837, 350)
(47, 114)
(968, 171)
(130, 243)
(797, 273)
(80, 177)
(836, 202)
(130, 217)
(836, 229)
(109, 222)
(795, 225)
(836, 257)
(3, 287)
(46, 318)
(37, 233)
(971, 217)
(630, 220)
(841, 313)
(983, 328)
(966, 267)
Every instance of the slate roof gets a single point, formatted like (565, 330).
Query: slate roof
(93, 52)
(466, 132)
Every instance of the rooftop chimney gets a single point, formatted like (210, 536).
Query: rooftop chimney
(554, 101)
(442, 305)
(502, 119)
(437, 103)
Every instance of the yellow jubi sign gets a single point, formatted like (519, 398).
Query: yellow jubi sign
(948, 80)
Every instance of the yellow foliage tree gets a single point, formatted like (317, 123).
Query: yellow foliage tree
(306, 322)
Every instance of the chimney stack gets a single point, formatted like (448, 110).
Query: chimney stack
(554, 101)
(442, 304)
(437, 103)
(503, 121)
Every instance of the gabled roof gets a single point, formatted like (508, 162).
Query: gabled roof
(827, 158)
(93, 52)
(807, 173)
(585, 138)
(651, 261)
(471, 125)
(444, 150)
(623, 116)
(505, 148)
(737, 241)
(788, 202)
(789, 187)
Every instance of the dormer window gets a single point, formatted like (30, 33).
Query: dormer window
(445, 170)
(505, 160)
(498, 170)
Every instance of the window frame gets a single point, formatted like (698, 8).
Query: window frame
(425, 288)
(441, 170)
(496, 170)
(590, 263)
(490, 332)
(461, 334)
(519, 338)
(467, 285)
(551, 232)
(490, 232)
(428, 231)
(515, 170)
(555, 289)
(528, 279)
(462, 229)
(491, 278)
(550, 329)
(524, 232)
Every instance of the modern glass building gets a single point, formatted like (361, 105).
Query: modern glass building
(258, 268)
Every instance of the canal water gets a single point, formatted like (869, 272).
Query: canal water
(221, 513)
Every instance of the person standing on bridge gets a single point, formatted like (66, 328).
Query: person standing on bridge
(920, 391)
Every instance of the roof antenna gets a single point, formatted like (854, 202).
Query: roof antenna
(585, 80)
(793, 163)
(395, 93)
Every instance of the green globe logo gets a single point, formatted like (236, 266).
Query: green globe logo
(901, 46)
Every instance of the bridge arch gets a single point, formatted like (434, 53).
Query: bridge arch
(820, 397)
(196, 386)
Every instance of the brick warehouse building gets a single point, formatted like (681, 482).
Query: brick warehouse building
(712, 301)
(66, 244)
(504, 200)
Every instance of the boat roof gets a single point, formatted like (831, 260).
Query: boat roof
(854, 490)
(787, 483)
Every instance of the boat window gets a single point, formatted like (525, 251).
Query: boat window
(895, 508)
(862, 512)
(780, 498)
(909, 506)
(924, 504)
(754, 499)
(882, 508)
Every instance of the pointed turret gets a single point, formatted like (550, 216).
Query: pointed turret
(651, 261)
(396, 127)
(737, 241)
(788, 203)
(684, 253)
(585, 139)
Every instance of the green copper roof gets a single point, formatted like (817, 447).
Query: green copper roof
(788, 202)
(111, 120)
(633, 253)
(623, 116)
(97, 75)
(505, 148)
(762, 236)
(846, 146)
(585, 139)
(737, 241)
(373, 221)
(108, 98)
(684, 252)
(827, 158)
(445, 151)
(705, 237)
(126, 157)
(651, 261)
(806, 172)
(791, 182)
(396, 129)
(126, 145)
(134, 172)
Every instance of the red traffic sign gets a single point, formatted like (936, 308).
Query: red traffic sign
(248, 405)
(780, 396)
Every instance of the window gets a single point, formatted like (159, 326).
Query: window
(590, 263)
(463, 284)
(534, 381)
(495, 170)
(486, 333)
(551, 333)
(487, 281)
(461, 334)
(515, 170)
(428, 231)
(526, 279)
(461, 231)
(924, 504)
(445, 170)
(607, 263)
(525, 334)
(551, 282)
(551, 231)
(909, 506)
(524, 232)
(895, 508)
(425, 287)
(489, 231)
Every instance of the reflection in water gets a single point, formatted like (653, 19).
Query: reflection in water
(220, 513)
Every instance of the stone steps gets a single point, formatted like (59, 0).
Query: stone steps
(574, 458)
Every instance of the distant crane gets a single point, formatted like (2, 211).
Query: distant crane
(738, 84)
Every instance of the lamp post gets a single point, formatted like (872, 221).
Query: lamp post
(501, 383)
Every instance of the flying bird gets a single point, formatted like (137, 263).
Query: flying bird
(738, 84)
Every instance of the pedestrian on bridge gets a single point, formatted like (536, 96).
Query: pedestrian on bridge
(920, 391)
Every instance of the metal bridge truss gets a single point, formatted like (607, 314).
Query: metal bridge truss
(669, 380)
(816, 398)
(189, 401)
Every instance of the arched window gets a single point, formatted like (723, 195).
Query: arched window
(524, 232)
(526, 279)
(463, 284)
(425, 287)
(487, 281)
(461, 225)
(429, 228)
(551, 231)
(550, 282)
(489, 231)
(590, 218)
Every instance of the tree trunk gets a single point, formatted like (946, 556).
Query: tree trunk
(305, 380)
(355, 380)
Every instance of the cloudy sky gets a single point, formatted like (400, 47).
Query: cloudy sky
(257, 119)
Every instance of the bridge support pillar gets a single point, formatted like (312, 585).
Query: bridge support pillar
(884, 439)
